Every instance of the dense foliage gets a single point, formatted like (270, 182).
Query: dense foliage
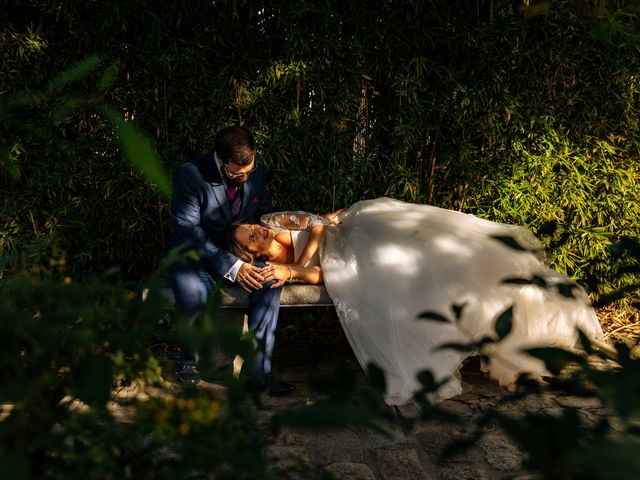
(521, 112)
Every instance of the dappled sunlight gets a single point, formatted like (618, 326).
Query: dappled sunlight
(450, 245)
(408, 220)
(403, 260)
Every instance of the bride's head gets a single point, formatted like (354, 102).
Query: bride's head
(249, 241)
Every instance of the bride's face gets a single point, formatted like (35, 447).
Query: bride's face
(255, 238)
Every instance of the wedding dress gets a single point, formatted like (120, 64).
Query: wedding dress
(389, 261)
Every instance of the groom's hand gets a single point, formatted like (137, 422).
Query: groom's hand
(249, 277)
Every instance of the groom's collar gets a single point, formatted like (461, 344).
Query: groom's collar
(209, 169)
(218, 163)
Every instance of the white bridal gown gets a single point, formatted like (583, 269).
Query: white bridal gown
(388, 261)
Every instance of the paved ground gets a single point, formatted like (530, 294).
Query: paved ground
(363, 453)
(360, 453)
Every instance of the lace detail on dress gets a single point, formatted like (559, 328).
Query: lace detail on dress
(292, 220)
(343, 311)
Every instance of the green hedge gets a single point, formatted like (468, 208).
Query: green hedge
(518, 114)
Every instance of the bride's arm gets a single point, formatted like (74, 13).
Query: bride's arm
(284, 273)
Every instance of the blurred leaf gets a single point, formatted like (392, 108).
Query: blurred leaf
(13, 468)
(108, 77)
(139, 151)
(623, 461)
(428, 381)
(74, 74)
(377, 377)
(323, 415)
(458, 347)
(555, 359)
(585, 342)
(518, 281)
(547, 228)
(566, 289)
(436, 317)
(504, 322)
(617, 295)
(457, 309)
(534, 280)
(459, 446)
(97, 381)
(509, 242)
(337, 384)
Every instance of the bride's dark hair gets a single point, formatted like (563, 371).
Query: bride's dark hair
(233, 246)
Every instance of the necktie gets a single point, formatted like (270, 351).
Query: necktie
(234, 200)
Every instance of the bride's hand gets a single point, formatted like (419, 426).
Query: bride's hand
(332, 217)
(276, 271)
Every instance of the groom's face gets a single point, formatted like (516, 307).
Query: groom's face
(237, 174)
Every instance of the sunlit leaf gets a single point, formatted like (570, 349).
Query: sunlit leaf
(139, 151)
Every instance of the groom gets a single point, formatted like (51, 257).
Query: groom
(209, 194)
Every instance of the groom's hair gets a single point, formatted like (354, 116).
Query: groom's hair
(236, 145)
(232, 245)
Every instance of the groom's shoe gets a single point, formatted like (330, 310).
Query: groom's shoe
(267, 383)
(276, 388)
(186, 373)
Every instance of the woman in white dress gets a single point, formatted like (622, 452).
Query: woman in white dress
(386, 262)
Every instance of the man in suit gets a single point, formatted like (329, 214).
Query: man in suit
(209, 194)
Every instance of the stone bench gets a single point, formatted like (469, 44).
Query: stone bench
(292, 296)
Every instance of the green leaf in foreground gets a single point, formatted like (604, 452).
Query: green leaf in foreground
(139, 151)
(555, 359)
(75, 73)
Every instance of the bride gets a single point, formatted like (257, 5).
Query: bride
(385, 262)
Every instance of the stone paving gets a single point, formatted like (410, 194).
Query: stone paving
(366, 454)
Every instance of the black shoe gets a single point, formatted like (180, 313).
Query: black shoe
(276, 388)
(186, 373)
(255, 385)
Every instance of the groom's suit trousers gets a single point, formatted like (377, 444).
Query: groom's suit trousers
(192, 286)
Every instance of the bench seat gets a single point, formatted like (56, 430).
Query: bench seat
(292, 296)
